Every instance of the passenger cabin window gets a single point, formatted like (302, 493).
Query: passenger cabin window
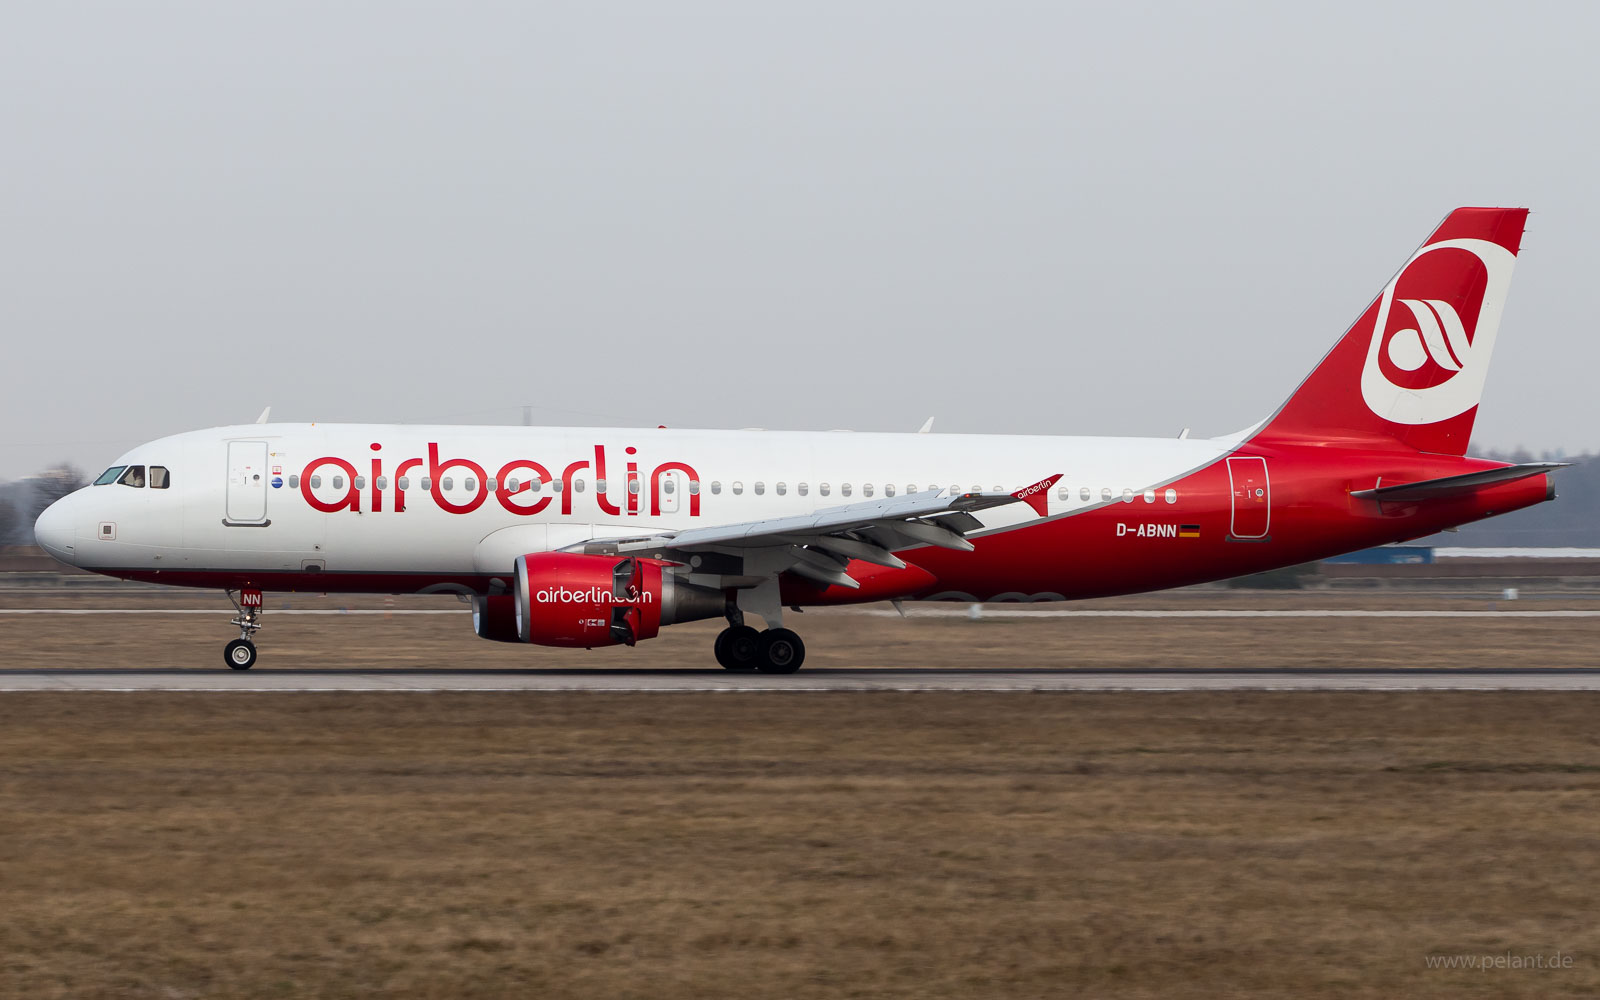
(888, 489)
(1084, 494)
(599, 486)
(491, 484)
(294, 482)
(1062, 493)
(577, 486)
(911, 487)
(866, 489)
(669, 485)
(133, 477)
(382, 482)
(781, 488)
(716, 487)
(427, 482)
(1172, 496)
(1149, 496)
(761, 488)
(738, 488)
(316, 482)
(361, 482)
(633, 486)
(844, 489)
(338, 482)
(694, 487)
(1127, 496)
(447, 484)
(823, 489)
(557, 485)
(160, 478)
(404, 482)
(1105, 493)
(110, 475)
(802, 488)
(469, 484)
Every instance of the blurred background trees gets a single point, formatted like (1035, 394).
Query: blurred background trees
(22, 502)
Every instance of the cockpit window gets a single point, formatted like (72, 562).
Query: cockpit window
(160, 478)
(133, 477)
(110, 475)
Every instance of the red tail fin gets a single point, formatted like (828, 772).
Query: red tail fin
(1411, 369)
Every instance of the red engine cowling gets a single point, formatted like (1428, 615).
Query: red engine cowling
(569, 599)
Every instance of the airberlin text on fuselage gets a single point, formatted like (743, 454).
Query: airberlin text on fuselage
(525, 472)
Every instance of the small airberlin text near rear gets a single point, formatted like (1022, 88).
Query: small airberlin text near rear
(1411, 371)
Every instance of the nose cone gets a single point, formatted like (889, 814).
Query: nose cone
(55, 531)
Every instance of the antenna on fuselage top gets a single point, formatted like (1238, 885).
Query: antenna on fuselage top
(264, 415)
(1183, 435)
(927, 425)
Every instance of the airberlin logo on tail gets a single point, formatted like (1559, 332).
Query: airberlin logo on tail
(1435, 331)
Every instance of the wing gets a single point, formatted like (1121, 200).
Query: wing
(820, 545)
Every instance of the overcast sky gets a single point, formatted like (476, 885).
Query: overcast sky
(1028, 218)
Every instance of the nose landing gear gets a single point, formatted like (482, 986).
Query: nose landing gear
(240, 654)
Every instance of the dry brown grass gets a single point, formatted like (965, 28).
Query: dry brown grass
(795, 845)
(833, 638)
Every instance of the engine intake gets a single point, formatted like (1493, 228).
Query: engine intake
(494, 616)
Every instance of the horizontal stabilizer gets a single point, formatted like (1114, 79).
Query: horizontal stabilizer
(1451, 486)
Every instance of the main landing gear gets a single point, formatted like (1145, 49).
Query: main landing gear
(240, 654)
(773, 651)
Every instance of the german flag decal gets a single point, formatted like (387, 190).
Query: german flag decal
(1188, 531)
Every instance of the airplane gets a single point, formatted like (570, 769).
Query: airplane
(585, 537)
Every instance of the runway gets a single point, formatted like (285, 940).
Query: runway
(668, 681)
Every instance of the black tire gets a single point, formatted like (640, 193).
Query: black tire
(240, 654)
(738, 647)
(781, 652)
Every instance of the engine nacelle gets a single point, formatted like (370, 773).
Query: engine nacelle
(570, 599)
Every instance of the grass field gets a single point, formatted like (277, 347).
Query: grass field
(833, 638)
(810, 845)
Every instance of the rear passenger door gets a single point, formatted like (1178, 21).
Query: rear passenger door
(1252, 497)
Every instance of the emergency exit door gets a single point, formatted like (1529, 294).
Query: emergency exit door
(247, 483)
(1252, 497)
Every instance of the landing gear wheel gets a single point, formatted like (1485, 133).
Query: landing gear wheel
(780, 652)
(738, 647)
(240, 654)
